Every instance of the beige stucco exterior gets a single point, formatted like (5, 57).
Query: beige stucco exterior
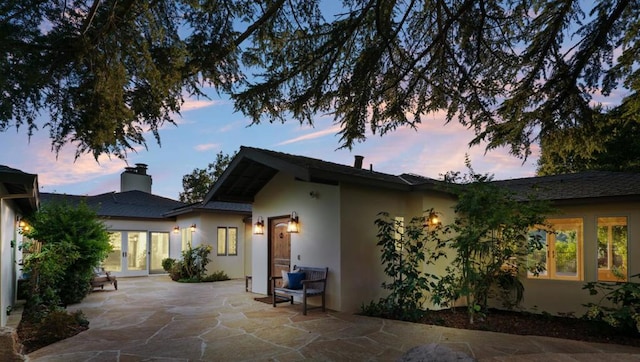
(337, 230)
(8, 233)
(567, 296)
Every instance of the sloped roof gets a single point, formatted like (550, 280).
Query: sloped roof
(213, 206)
(21, 186)
(128, 204)
(577, 186)
(253, 168)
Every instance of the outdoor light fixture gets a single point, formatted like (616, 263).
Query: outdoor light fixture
(23, 224)
(432, 219)
(193, 227)
(258, 229)
(293, 226)
(176, 229)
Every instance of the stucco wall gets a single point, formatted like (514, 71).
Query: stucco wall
(362, 270)
(7, 265)
(147, 226)
(207, 233)
(318, 242)
(562, 296)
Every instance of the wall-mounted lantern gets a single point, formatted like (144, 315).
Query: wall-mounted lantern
(176, 229)
(258, 228)
(294, 224)
(193, 227)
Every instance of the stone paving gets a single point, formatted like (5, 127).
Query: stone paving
(156, 319)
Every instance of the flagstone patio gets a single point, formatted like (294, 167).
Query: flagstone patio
(154, 318)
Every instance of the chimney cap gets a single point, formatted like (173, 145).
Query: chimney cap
(358, 161)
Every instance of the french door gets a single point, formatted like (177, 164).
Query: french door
(129, 255)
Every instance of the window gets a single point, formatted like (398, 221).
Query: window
(187, 235)
(227, 241)
(612, 249)
(561, 254)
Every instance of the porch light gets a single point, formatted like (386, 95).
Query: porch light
(23, 225)
(293, 226)
(193, 227)
(258, 229)
(176, 229)
(432, 219)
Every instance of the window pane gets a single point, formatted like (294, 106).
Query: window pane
(233, 241)
(612, 248)
(222, 241)
(538, 258)
(566, 252)
(137, 251)
(113, 262)
(186, 238)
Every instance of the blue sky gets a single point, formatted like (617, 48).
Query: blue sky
(210, 126)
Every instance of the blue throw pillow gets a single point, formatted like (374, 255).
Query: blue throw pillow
(295, 280)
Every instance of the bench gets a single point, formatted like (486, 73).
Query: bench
(102, 277)
(314, 284)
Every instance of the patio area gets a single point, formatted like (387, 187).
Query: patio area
(154, 318)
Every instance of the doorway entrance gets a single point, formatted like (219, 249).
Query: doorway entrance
(279, 249)
(128, 256)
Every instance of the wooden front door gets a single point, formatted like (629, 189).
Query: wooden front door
(279, 248)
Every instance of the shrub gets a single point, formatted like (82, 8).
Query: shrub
(167, 264)
(404, 252)
(74, 241)
(216, 277)
(193, 266)
(619, 306)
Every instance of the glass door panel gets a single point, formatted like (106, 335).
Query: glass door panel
(159, 251)
(136, 253)
(113, 262)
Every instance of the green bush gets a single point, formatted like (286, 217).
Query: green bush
(193, 266)
(619, 306)
(74, 241)
(404, 250)
(168, 263)
(216, 277)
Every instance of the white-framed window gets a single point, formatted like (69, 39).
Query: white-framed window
(612, 249)
(187, 237)
(227, 241)
(561, 254)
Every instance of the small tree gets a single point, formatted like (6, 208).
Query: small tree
(492, 242)
(74, 241)
(405, 250)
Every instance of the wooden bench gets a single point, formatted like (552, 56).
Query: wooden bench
(313, 284)
(102, 277)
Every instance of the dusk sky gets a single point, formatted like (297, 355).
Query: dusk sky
(210, 126)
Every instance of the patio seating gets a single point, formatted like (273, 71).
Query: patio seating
(313, 283)
(102, 277)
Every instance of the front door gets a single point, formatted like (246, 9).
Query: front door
(279, 248)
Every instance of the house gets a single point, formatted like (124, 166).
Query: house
(335, 207)
(146, 228)
(18, 197)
